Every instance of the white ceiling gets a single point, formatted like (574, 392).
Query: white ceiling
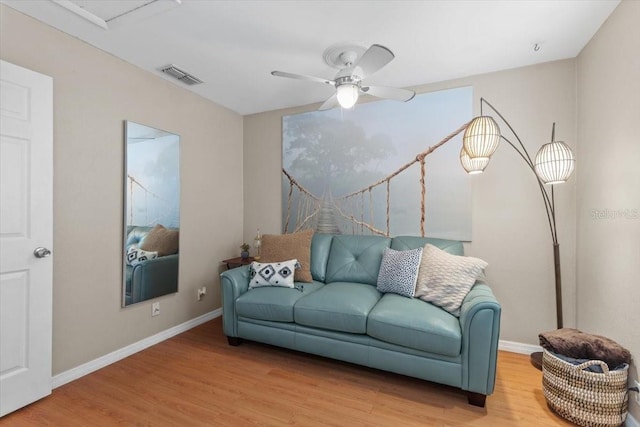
(234, 45)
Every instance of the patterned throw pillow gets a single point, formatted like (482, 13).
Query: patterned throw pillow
(445, 279)
(399, 271)
(136, 255)
(272, 274)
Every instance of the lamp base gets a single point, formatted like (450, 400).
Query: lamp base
(536, 360)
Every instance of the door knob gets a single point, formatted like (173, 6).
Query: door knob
(41, 252)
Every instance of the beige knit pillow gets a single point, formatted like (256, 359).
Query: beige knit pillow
(161, 240)
(277, 248)
(445, 279)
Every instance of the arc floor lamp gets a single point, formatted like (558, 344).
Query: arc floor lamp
(553, 164)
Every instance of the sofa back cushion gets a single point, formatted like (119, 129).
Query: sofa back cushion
(355, 258)
(404, 243)
(135, 234)
(320, 247)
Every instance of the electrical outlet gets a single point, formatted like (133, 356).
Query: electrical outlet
(155, 309)
(202, 292)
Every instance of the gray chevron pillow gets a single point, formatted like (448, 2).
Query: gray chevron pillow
(445, 279)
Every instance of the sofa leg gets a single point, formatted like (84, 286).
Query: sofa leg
(476, 399)
(234, 341)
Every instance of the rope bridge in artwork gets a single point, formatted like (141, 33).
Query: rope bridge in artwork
(133, 203)
(356, 207)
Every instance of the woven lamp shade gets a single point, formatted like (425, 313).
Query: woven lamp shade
(481, 137)
(554, 162)
(472, 166)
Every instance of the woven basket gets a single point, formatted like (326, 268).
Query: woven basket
(583, 397)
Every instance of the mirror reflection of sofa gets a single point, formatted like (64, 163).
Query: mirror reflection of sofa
(151, 261)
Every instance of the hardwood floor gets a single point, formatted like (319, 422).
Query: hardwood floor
(197, 379)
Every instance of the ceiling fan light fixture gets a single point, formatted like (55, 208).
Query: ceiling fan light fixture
(347, 94)
(355, 64)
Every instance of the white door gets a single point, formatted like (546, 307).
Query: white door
(26, 220)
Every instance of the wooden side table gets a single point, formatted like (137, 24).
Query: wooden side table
(237, 262)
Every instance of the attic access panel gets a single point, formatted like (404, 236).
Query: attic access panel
(109, 10)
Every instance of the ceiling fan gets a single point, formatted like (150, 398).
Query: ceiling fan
(355, 64)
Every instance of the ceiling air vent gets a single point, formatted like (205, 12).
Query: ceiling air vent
(181, 75)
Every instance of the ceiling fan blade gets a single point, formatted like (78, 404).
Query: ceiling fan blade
(390, 93)
(302, 77)
(329, 103)
(376, 57)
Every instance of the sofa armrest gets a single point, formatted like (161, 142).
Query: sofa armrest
(480, 326)
(154, 277)
(233, 283)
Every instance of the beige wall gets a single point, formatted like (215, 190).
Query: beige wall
(510, 228)
(609, 178)
(93, 93)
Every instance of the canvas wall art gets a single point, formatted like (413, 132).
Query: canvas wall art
(382, 168)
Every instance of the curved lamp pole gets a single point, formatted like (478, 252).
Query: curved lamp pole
(554, 164)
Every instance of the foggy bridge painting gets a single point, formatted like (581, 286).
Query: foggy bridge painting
(385, 168)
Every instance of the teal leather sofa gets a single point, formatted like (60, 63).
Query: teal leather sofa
(342, 315)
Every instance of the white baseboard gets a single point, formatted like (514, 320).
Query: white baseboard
(517, 347)
(99, 363)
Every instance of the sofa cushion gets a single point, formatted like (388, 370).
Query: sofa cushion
(276, 248)
(338, 306)
(135, 234)
(320, 247)
(415, 324)
(403, 243)
(273, 303)
(356, 258)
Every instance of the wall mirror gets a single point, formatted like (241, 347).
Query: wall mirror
(151, 213)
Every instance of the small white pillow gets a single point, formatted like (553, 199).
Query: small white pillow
(136, 255)
(445, 279)
(272, 274)
(399, 271)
